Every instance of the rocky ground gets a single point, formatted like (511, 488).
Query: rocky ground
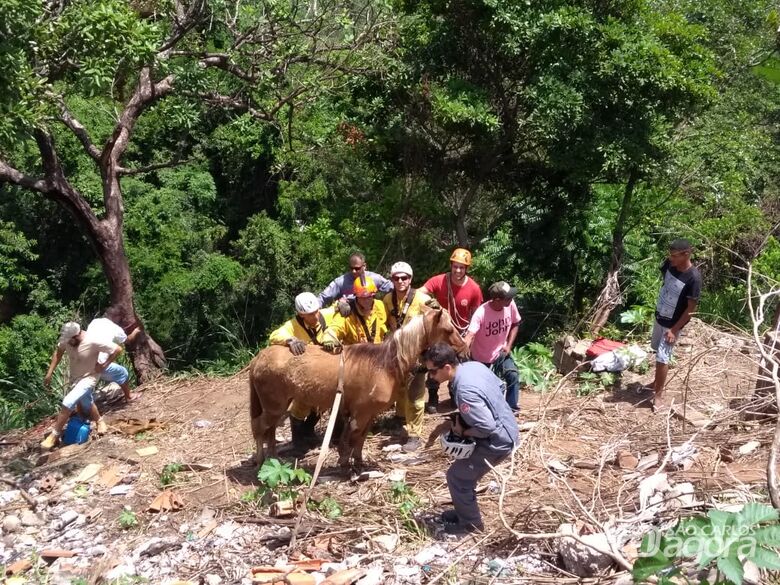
(166, 496)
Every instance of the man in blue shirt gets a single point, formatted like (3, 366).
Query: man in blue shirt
(341, 286)
(483, 416)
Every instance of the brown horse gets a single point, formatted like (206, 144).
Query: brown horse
(372, 375)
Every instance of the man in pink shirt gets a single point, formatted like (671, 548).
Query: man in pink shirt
(491, 334)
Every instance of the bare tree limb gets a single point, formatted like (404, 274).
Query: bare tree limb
(770, 363)
(9, 174)
(78, 130)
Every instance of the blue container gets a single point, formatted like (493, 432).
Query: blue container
(76, 432)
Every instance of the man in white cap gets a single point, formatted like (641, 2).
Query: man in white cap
(307, 327)
(84, 370)
(401, 305)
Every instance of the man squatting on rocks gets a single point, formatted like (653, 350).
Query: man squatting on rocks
(677, 300)
(483, 416)
(84, 351)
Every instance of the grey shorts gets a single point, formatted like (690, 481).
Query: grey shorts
(663, 349)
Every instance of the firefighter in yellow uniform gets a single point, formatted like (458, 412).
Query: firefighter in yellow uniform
(308, 327)
(366, 323)
(402, 304)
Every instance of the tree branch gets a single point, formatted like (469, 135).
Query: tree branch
(79, 130)
(8, 174)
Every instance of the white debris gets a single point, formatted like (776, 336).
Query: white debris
(580, 559)
(749, 447)
(427, 554)
(388, 542)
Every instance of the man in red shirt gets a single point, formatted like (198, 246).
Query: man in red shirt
(457, 293)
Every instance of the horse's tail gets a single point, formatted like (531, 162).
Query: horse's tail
(255, 406)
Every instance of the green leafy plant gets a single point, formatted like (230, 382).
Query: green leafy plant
(81, 491)
(723, 539)
(280, 480)
(128, 519)
(168, 474)
(534, 365)
(408, 502)
(592, 382)
(640, 316)
(328, 507)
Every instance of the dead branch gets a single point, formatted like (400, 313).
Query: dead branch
(771, 363)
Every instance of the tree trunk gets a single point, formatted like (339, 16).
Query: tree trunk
(610, 296)
(145, 353)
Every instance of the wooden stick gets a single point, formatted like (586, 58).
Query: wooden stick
(323, 450)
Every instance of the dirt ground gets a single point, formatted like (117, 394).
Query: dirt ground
(565, 470)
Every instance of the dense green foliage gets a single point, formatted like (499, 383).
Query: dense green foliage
(510, 127)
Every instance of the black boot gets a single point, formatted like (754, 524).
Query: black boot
(309, 424)
(299, 443)
(433, 396)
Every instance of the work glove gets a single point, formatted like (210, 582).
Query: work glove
(331, 346)
(433, 304)
(345, 309)
(297, 347)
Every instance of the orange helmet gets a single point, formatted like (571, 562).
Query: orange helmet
(461, 256)
(364, 287)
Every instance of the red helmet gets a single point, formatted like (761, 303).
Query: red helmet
(364, 287)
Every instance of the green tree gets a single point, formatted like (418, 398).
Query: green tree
(185, 58)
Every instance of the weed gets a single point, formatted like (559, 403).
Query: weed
(640, 316)
(723, 539)
(328, 507)
(81, 491)
(142, 436)
(534, 365)
(592, 383)
(128, 519)
(279, 480)
(408, 502)
(168, 474)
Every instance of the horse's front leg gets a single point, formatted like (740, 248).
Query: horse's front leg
(357, 437)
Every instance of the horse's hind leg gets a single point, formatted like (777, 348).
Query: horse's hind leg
(258, 433)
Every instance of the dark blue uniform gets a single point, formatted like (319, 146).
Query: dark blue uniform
(480, 400)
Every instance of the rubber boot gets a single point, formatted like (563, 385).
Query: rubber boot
(309, 424)
(433, 396)
(299, 443)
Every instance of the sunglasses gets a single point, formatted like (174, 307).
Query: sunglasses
(401, 278)
(357, 268)
(434, 370)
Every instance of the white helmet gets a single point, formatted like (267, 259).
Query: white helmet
(457, 447)
(306, 302)
(401, 268)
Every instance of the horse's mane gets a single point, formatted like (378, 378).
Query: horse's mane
(398, 352)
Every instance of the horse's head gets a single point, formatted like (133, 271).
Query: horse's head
(440, 328)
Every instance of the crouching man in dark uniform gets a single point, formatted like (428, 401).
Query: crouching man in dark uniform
(484, 417)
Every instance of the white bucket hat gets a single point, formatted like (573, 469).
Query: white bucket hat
(69, 331)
